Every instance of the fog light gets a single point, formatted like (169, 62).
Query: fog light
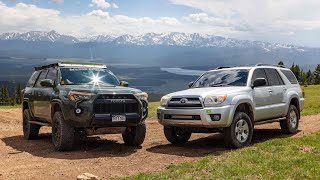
(78, 110)
(215, 117)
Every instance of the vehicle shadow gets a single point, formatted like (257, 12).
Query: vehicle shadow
(91, 147)
(213, 144)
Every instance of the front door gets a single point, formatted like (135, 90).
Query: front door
(261, 96)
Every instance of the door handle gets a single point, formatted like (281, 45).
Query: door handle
(270, 90)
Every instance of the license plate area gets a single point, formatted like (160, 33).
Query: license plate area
(118, 118)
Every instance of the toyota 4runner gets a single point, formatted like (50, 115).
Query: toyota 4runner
(82, 99)
(232, 101)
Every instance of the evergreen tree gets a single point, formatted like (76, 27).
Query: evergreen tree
(280, 63)
(316, 75)
(309, 77)
(18, 95)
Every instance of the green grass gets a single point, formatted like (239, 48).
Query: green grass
(286, 158)
(9, 107)
(312, 100)
(153, 110)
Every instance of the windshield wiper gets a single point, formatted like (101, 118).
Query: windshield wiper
(218, 85)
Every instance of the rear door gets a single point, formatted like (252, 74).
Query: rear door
(278, 104)
(29, 90)
(38, 100)
(261, 95)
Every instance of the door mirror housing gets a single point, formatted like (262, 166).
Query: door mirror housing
(124, 84)
(47, 83)
(259, 82)
(191, 84)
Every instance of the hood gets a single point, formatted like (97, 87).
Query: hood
(203, 92)
(100, 89)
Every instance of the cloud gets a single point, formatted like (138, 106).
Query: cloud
(57, 1)
(258, 17)
(114, 5)
(25, 17)
(102, 4)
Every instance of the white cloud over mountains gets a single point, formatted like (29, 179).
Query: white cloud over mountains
(25, 17)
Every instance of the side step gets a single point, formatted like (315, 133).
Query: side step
(269, 121)
(40, 123)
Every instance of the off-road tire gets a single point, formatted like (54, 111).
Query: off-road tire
(289, 125)
(135, 136)
(30, 131)
(176, 135)
(63, 135)
(239, 133)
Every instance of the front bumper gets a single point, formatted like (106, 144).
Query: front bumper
(166, 117)
(89, 119)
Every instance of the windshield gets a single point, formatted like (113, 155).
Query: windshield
(95, 76)
(218, 78)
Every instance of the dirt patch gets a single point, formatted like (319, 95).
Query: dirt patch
(107, 156)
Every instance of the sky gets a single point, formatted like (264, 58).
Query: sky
(276, 21)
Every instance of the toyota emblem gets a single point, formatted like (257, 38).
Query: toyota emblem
(183, 100)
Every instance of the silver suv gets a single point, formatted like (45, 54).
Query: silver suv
(232, 101)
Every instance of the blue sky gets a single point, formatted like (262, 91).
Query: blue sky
(285, 21)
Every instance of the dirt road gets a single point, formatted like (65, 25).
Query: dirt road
(107, 156)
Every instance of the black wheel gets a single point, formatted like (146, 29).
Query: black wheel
(63, 135)
(176, 135)
(291, 124)
(239, 133)
(30, 131)
(134, 136)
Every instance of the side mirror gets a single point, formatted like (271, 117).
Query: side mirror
(259, 82)
(191, 84)
(124, 83)
(47, 83)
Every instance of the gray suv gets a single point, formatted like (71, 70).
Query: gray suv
(232, 101)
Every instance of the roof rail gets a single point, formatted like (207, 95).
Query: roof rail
(223, 67)
(274, 65)
(68, 64)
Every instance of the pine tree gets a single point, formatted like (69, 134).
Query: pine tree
(309, 77)
(316, 75)
(280, 63)
(1, 96)
(18, 95)
(5, 95)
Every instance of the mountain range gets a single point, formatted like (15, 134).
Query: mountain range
(194, 51)
(151, 39)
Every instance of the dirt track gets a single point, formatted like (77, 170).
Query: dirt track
(107, 156)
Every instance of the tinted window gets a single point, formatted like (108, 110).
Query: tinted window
(291, 77)
(236, 77)
(41, 77)
(259, 73)
(52, 74)
(33, 79)
(273, 77)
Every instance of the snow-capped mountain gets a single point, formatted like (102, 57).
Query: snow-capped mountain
(151, 39)
(51, 36)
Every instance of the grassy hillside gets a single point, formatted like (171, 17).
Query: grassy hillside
(288, 158)
(312, 102)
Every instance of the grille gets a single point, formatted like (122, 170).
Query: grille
(183, 102)
(116, 104)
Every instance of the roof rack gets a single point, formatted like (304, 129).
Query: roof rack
(223, 67)
(72, 64)
(274, 65)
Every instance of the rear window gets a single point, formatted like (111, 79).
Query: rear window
(291, 77)
(33, 79)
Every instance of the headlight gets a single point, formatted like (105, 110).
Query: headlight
(79, 96)
(164, 101)
(214, 100)
(142, 96)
